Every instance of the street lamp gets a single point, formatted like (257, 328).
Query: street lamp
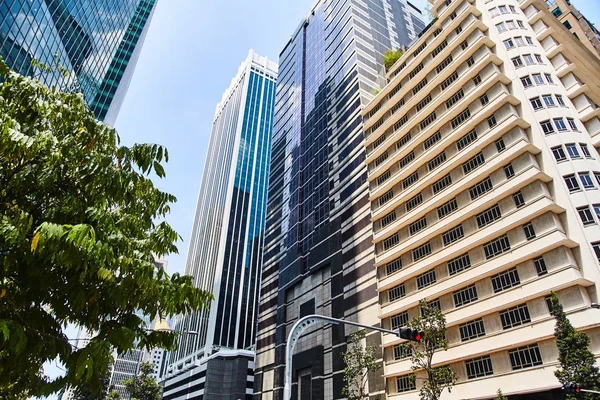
(310, 320)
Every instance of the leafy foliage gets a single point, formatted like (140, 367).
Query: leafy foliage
(84, 392)
(359, 362)
(500, 395)
(391, 56)
(78, 237)
(577, 362)
(433, 323)
(143, 386)
(114, 395)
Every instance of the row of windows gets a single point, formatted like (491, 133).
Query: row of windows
(528, 59)
(586, 215)
(549, 125)
(502, 27)
(520, 358)
(538, 79)
(511, 43)
(494, 12)
(572, 150)
(547, 100)
(586, 181)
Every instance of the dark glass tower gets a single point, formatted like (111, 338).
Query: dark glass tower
(95, 42)
(318, 248)
(225, 251)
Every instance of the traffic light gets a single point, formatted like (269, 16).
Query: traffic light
(572, 388)
(410, 334)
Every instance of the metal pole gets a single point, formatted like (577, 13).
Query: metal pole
(298, 328)
(589, 391)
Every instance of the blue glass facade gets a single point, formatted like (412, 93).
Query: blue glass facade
(94, 41)
(225, 251)
(318, 247)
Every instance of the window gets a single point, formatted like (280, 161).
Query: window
(597, 210)
(466, 140)
(403, 140)
(597, 175)
(586, 180)
(441, 66)
(540, 266)
(464, 45)
(529, 231)
(517, 62)
(549, 78)
(465, 296)
(432, 140)
(503, 9)
(400, 320)
(488, 216)
(509, 44)
(505, 280)
(572, 150)
(560, 124)
(470, 62)
(526, 81)
(423, 102)
(453, 235)
(426, 279)
(536, 103)
(501, 27)
(496, 247)
(456, 97)
(471, 330)
(515, 316)
(539, 59)
(548, 303)
(559, 153)
(401, 352)
(596, 247)
(481, 188)
(428, 120)
(567, 25)
(520, 23)
(458, 30)
(406, 383)
(393, 266)
(473, 163)
(586, 215)
(572, 183)
(391, 241)
(412, 178)
(491, 121)
(459, 264)
(417, 226)
(396, 292)
(478, 367)
(404, 161)
(549, 100)
(460, 118)
(421, 252)
(527, 38)
(383, 177)
(442, 184)
(547, 127)
(447, 208)
(585, 150)
(572, 124)
(509, 171)
(388, 219)
(477, 80)
(560, 101)
(437, 161)
(419, 86)
(484, 100)
(525, 357)
(519, 41)
(381, 159)
(500, 146)
(378, 141)
(511, 24)
(387, 196)
(512, 9)
(518, 199)
(413, 202)
(448, 81)
(537, 78)
(528, 59)
(557, 12)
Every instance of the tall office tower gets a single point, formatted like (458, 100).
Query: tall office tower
(576, 23)
(318, 250)
(484, 181)
(97, 42)
(215, 358)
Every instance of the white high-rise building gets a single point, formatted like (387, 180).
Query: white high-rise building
(484, 183)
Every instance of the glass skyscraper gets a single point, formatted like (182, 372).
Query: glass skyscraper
(318, 247)
(225, 251)
(91, 46)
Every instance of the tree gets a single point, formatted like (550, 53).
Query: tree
(391, 56)
(80, 224)
(432, 323)
(359, 362)
(143, 386)
(84, 392)
(500, 396)
(577, 362)
(113, 395)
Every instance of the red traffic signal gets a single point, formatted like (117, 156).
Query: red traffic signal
(410, 334)
(572, 388)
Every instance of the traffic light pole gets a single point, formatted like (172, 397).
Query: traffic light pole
(298, 329)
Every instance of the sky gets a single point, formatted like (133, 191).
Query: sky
(192, 51)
